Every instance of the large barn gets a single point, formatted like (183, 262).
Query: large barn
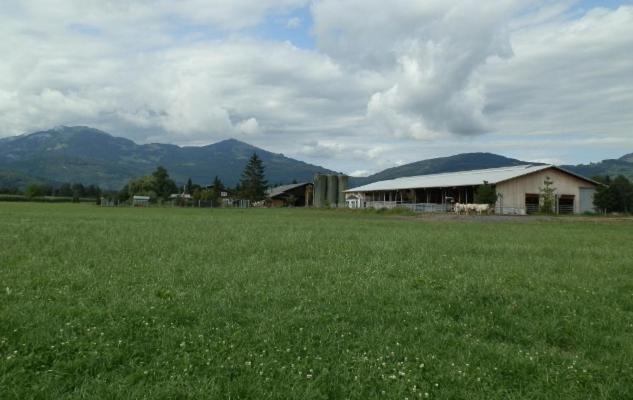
(517, 187)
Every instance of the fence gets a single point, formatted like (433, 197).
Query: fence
(415, 207)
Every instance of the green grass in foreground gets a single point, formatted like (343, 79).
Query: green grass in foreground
(281, 304)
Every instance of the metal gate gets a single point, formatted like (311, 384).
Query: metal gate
(566, 204)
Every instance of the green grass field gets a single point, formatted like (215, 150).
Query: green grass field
(302, 304)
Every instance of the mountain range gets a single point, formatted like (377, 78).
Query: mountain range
(90, 156)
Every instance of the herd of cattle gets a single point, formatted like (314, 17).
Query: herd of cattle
(476, 208)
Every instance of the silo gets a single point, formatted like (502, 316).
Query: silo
(320, 183)
(342, 187)
(332, 190)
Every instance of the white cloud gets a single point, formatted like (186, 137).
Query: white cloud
(293, 23)
(567, 77)
(430, 56)
(249, 126)
(388, 81)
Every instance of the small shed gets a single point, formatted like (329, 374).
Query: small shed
(140, 201)
(294, 195)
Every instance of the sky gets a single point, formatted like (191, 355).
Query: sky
(354, 85)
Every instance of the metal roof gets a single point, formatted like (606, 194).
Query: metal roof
(454, 179)
(276, 191)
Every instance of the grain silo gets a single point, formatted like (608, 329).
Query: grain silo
(320, 187)
(332, 190)
(342, 187)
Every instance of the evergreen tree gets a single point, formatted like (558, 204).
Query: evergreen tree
(623, 193)
(216, 191)
(253, 183)
(614, 196)
(486, 194)
(548, 198)
(604, 198)
(124, 193)
(189, 186)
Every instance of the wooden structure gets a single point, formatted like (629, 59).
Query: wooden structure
(294, 195)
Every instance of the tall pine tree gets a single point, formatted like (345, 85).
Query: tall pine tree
(216, 191)
(253, 183)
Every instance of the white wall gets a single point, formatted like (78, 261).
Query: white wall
(513, 191)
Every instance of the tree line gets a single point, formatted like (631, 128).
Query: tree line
(70, 190)
(615, 196)
(159, 186)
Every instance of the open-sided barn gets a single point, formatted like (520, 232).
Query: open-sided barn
(518, 190)
(296, 194)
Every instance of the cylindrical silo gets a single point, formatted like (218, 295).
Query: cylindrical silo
(320, 184)
(332, 190)
(342, 187)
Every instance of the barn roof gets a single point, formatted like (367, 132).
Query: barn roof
(462, 178)
(276, 191)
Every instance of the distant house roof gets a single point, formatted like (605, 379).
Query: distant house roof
(180, 196)
(141, 198)
(279, 190)
(210, 187)
(462, 178)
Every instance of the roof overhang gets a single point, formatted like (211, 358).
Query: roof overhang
(462, 179)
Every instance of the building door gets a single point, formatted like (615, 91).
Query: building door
(531, 203)
(586, 200)
(566, 204)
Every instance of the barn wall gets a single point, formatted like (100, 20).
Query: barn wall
(514, 191)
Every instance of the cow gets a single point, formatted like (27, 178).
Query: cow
(476, 208)
(482, 208)
(460, 207)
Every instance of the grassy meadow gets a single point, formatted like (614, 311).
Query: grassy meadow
(165, 303)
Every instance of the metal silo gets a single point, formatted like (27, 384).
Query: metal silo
(342, 186)
(320, 187)
(332, 190)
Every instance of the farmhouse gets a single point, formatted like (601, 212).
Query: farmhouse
(296, 195)
(517, 188)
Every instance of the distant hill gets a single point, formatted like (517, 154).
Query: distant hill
(612, 167)
(459, 162)
(91, 156)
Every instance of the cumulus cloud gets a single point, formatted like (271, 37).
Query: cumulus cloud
(248, 126)
(387, 82)
(430, 58)
(567, 77)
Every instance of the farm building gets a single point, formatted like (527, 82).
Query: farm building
(295, 195)
(140, 201)
(517, 188)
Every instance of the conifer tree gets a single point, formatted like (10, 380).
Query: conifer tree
(253, 183)
(216, 191)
